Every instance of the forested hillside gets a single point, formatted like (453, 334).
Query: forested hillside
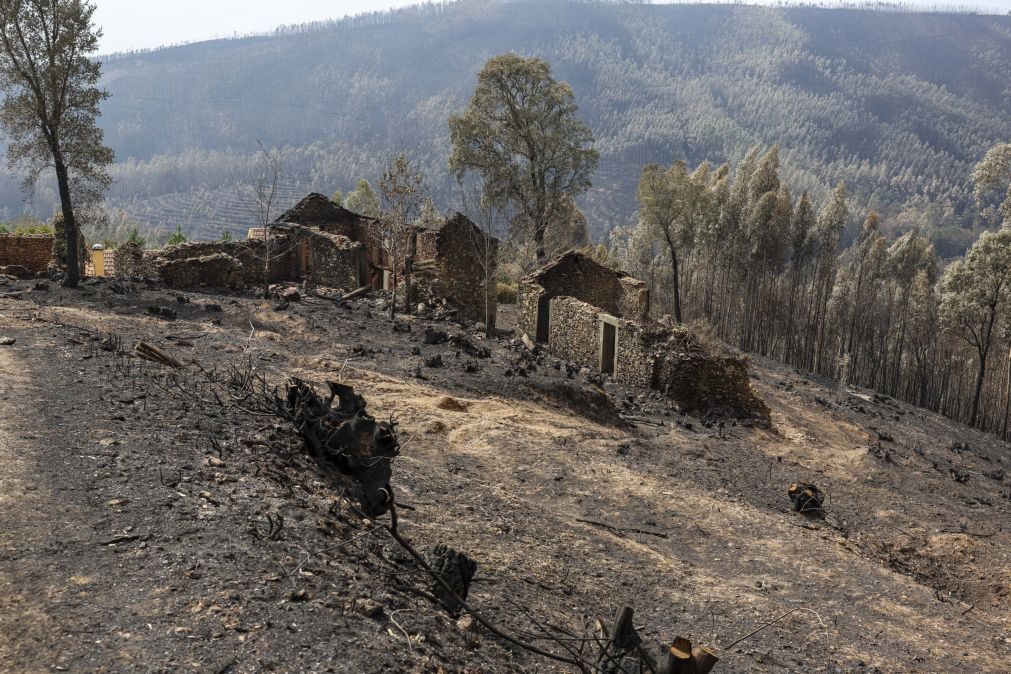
(899, 105)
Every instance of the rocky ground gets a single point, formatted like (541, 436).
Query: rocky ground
(146, 528)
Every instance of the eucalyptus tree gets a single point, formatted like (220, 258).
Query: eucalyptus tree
(521, 134)
(362, 199)
(827, 233)
(976, 299)
(994, 173)
(52, 103)
(673, 206)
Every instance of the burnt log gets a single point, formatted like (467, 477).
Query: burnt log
(457, 569)
(341, 435)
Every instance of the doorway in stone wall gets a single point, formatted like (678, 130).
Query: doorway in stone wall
(608, 347)
(304, 259)
(543, 318)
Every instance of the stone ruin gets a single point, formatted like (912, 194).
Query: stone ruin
(25, 255)
(292, 253)
(452, 261)
(30, 255)
(322, 242)
(588, 314)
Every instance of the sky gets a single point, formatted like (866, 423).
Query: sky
(146, 24)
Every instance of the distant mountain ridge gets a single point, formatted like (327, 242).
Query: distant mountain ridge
(900, 105)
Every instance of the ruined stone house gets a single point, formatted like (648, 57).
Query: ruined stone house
(447, 259)
(290, 253)
(321, 241)
(589, 314)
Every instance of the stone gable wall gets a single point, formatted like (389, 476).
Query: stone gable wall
(30, 251)
(575, 275)
(461, 270)
(574, 333)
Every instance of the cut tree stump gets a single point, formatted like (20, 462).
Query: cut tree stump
(680, 658)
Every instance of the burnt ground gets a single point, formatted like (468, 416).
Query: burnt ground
(139, 525)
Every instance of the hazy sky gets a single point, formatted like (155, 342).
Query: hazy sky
(138, 24)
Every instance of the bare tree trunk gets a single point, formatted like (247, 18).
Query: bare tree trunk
(266, 260)
(539, 229)
(412, 249)
(676, 286)
(1007, 396)
(393, 289)
(73, 273)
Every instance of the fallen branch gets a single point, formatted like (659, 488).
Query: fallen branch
(155, 355)
(392, 529)
(970, 533)
(773, 622)
(620, 530)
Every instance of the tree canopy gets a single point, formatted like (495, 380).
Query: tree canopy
(51, 106)
(521, 134)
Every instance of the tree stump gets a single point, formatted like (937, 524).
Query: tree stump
(457, 570)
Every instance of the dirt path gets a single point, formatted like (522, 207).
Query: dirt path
(23, 618)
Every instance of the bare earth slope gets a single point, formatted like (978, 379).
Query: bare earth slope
(134, 533)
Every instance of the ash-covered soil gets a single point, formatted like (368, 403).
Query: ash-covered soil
(144, 528)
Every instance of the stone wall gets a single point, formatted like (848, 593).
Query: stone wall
(701, 378)
(574, 274)
(128, 262)
(574, 334)
(635, 360)
(633, 299)
(528, 300)
(217, 270)
(461, 259)
(250, 254)
(336, 261)
(328, 259)
(31, 252)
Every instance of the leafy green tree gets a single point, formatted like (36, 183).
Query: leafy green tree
(227, 236)
(338, 197)
(52, 103)
(177, 237)
(363, 200)
(976, 298)
(135, 237)
(521, 134)
(994, 173)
